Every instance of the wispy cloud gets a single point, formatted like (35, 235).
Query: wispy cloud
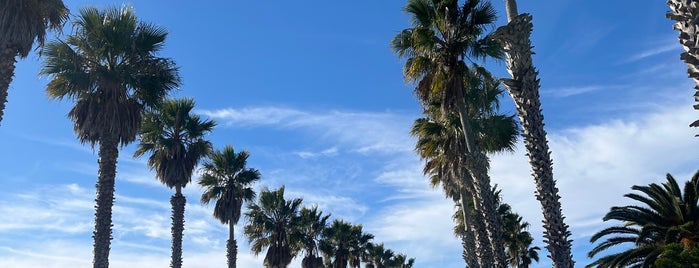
(564, 92)
(365, 132)
(674, 46)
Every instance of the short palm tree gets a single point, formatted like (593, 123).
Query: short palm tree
(524, 90)
(227, 181)
(667, 216)
(685, 14)
(22, 23)
(270, 224)
(174, 137)
(378, 257)
(445, 35)
(360, 242)
(312, 222)
(401, 261)
(109, 68)
(344, 244)
(518, 240)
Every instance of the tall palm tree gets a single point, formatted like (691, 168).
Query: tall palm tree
(312, 222)
(444, 35)
(226, 180)
(524, 90)
(685, 14)
(23, 22)
(270, 224)
(667, 216)
(174, 137)
(109, 67)
(441, 145)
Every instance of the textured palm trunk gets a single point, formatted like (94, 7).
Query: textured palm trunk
(686, 15)
(108, 154)
(524, 90)
(7, 71)
(469, 240)
(177, 201)
(477, 167)
(232, 246)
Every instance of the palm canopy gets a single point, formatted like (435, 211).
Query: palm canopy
(175, 138)
(25, 22)
(344, 243)
(312, 222)
(443, 35)
(270, 223)
(110, 68)
(667, 216)
(226, 180)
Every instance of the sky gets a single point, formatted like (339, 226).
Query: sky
(312, 90)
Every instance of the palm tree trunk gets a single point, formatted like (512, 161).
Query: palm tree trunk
(7, 71)
(177, 201)
(685, 13)
(477, 166)
(524, 90)
(471, 255)
(108, 154)
(232, 246)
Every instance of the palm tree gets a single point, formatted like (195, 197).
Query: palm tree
(174, 137)
(443, 36)
(226, 180)
(312, 222)
(344, 244)
(270, 224)
(108, 66)
(441, 145)
(518, 240)
(377, 256)
(524, 90)
(685, 14)
(401, 261)
(358, 247)
(666, 217)
(23, 22)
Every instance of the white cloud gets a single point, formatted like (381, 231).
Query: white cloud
(363, 132)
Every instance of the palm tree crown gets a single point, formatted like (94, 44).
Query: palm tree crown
(22, 22)
(174, 137)
(270, 223)
(668, 216)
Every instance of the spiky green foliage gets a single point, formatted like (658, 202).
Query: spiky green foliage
(675, 255)
(174, 137)
(270, 224)
(227, 181)
(309, 231)
(667, 215)
(109, 67)
(379, 257)
(344, 244)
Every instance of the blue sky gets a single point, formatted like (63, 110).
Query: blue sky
(313, 91)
